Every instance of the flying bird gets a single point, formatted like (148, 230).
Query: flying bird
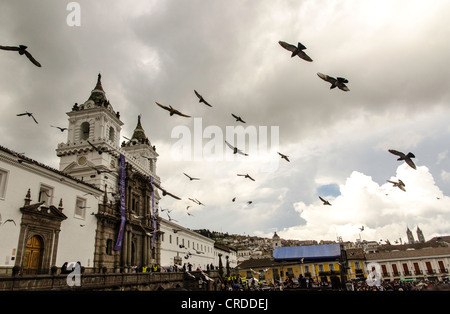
(398, 184)
(99, 150)
(100, 171)
(406, 158)
(22, 50)
(166, 193)
(246, 176)
(296, 51)
(190, 178)
(9, 220)
(234, 198)
(235, 149)
(58, 127)
(27, 114)
(362, 228)
(325, 202)
(238, 119)
(201, 99)
(172, 110)
(284, 156)
(338, 82)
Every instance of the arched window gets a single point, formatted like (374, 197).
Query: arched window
(84, 130)
(111, 134)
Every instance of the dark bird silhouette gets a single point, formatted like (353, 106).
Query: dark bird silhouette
(362, 228)
(100, 171)
(189, 214)
(246, 176)
(190, 178)
(22, 50)
(249, 202)
(235, 149)
(172, 110)
(406, 158)
(201, 99)
(238, 119)
(58, 127)
(284, 156)
(234, 199)
(325, 202)
(10, 220)
(338, 82)
(27, 114)
(398, 184)
(164, 192)
(99, 150)
(296, 51)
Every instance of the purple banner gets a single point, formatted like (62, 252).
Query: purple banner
(119, 242)
(153, 213)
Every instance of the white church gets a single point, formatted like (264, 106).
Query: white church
(100, 208)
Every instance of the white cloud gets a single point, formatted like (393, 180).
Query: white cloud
(384, 210)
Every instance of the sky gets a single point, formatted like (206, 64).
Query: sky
(393, 53)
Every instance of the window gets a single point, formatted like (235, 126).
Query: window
(45, 195)
(84, 130)
(3, 177)
(109, 246)
(80, 208)
(111, 134)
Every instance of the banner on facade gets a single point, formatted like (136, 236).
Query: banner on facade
(153, 213)
(122, 174)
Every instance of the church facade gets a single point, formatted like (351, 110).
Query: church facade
(127, 217)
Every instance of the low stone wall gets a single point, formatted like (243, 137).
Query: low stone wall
(112, 282)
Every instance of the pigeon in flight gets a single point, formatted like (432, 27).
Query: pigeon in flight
(335, 82)
(235, 149)
(166, 193)
(325, 202)
(362, 228)
(296, 51)
(9, 220)
(201, 99)
(100, 171)
(190, 178)
(172, 110)
(26, 113)
(284, 156)
(406, 158)
(246, 176)
(238, 119)
(58, 127)
(398, 184)
(234, 199)
(99, 150)
(22, 50)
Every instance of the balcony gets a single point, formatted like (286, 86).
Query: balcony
(418, 272)
(431, 272)
(443, 270)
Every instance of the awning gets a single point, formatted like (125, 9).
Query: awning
(307, 252)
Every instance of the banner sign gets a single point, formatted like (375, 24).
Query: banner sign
(153, 213)
(118, 245)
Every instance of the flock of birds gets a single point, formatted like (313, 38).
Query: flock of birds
(338, 82)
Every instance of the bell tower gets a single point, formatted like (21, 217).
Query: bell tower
(91, 152)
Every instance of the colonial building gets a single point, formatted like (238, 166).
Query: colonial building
(181, 246)
(46, 216)
(127, 218)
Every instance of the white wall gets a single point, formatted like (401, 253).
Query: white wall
(171, 241)
(76, 243)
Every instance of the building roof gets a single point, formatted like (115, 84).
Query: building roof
(22, 158)
(264, 262)
(308, 252)
(409, 253)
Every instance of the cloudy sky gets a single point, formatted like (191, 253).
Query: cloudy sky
(394, 53)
